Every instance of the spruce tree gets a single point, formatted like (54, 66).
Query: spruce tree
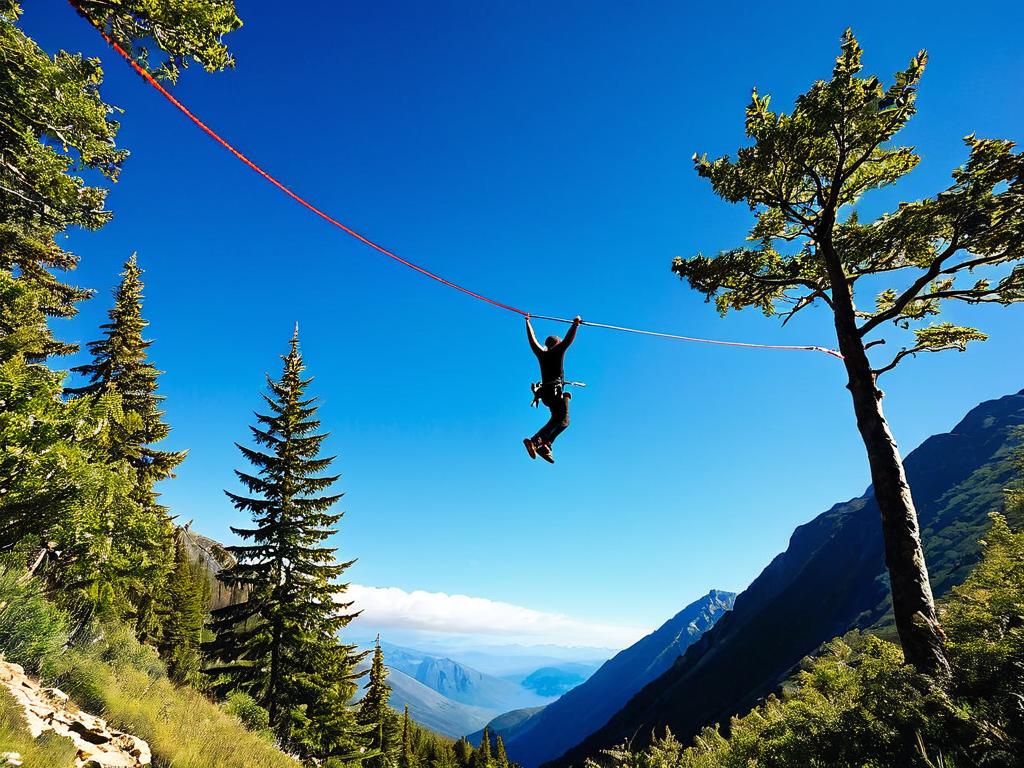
(119, 365)
(500, 756)
(482, 755)
(407, 759)
(183, 616)
(376, 716)
(280, 646)
(463, 752)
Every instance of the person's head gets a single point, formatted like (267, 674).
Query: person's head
(552, 341)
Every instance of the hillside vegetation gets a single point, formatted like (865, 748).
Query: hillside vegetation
(830, 579)
(109, 673)
(857, 704)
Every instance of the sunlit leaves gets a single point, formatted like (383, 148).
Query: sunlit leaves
(178, 31)
(803, 174)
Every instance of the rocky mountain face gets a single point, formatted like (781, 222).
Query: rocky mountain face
(831, 579)
(585, 708)
(210, 558)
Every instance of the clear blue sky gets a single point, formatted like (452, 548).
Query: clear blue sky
(539, 152)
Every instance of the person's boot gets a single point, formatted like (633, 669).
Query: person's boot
(544, 451)
(530, 448)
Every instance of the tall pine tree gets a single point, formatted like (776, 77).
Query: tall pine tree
(463, 752)
(376, 716)
(500, 756)
(407, 758)
(482, 755)
(280, 646)
(120, 365)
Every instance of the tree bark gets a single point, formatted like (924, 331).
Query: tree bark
(913, 606)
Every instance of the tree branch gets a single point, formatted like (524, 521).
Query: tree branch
(913, 292)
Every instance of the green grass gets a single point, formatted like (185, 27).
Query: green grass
(111, 675)
(48, 750)
(121, 680)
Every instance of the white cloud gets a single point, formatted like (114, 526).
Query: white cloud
(393, 608)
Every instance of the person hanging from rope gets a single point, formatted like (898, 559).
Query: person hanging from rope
(551, 389)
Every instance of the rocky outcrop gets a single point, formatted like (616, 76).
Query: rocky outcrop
(48, 709)
(210, 558)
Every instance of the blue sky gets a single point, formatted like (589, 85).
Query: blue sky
(539, 153)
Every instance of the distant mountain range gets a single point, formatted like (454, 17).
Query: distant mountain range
(430, 708)
(533, 737)
(831, 578)
(460, 682)
(447, 696)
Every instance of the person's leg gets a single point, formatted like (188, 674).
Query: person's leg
(544, 433)
(559, 419)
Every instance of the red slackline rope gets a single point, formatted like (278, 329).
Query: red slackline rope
(145, 75)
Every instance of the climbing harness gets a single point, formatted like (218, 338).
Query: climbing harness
(557, 387)
(152, 81)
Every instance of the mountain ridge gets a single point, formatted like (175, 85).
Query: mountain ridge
(586, 707)
(831, 578)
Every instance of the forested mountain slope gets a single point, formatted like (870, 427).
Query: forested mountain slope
(830, 579)
(588, 706)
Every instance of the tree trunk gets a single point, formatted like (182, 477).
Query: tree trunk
(913, 606)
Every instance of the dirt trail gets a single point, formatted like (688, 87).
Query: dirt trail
(48, 709)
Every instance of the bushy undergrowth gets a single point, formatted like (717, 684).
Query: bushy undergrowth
(109, 673)
(31, 628)
(857, 705)
(118, 678)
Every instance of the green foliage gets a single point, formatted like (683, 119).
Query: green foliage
(110, 673)
(377, 717)
(500, 756)
(407, 758)
(803, 176)
(280, 645)
(120, 366)
(482, 755)
(182, 620)
(60, 494)
(57, 128)
(249, 713)
(31, 628)
(463, 752)
(985, 623)
(858, 705)
(23, 330)
(184, 30)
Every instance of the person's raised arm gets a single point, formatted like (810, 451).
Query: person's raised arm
(534, 344)
(570, 337)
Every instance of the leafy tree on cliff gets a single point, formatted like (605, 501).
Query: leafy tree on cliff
(802, 175)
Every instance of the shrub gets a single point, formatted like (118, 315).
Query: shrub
(31, 628)
(249, 713)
